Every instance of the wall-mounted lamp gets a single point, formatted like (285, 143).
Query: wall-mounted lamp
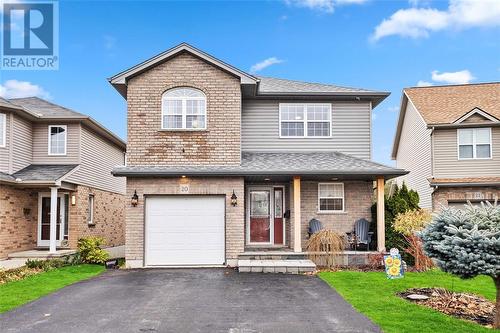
(73, 200)
(234, 199)
(135, 199)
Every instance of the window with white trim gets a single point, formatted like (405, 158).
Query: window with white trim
(331, 197)
(3, 129)
(474, 143)
(184, 108)
(57, 139)
(305, 120)
(90, 215)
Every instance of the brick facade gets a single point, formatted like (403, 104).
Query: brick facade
(134, 235)
(109, 216)
(358, 201)
(442, 195)
(18, 219)
(219, 144)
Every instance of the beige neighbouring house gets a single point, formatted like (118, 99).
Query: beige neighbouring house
(223, 165)
(55, 179)
(448, 137)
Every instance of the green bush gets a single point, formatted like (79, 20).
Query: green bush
(46, 265)
(89, 250)
(402, 200)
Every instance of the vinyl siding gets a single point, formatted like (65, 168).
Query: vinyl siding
(40, 144)
(98, 157)
(414, 155)
(351, 126)
(4, 151)
(22, 144)
(447, 164)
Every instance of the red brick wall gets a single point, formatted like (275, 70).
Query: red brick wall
(17, 229)
(109, 216)
(358, 201)
(441, 196)
(134, 251)
(218, 144)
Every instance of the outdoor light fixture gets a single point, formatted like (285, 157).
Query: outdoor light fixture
(135, 199)
(73, 200)
(234, 199)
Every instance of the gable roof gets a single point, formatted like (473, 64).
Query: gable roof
(38, 109)
(446, 104)
(255, 85)
(119, 81)
(449, 105)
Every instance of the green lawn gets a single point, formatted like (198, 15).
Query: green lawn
(374, 295)
(16, 293)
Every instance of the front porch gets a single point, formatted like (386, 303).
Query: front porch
(278, 211)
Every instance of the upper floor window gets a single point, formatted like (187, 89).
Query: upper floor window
(184, 108)
(57, 139)
(3, 129)
(474, 143)
(331, 197)
(305, 120)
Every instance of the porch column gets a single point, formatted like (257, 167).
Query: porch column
(380, 214)
(297, 240)
(53, 219)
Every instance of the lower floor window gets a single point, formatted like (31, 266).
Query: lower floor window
(90, 217)
(331, 197)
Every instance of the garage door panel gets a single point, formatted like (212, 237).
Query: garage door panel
(183, 230)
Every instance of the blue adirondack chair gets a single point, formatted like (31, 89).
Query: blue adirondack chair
(363, 236)
(314, 226)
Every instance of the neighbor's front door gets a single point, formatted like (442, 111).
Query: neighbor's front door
(265, 216)
(44, 220)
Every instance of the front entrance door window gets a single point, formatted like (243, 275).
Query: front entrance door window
(260, 227)
(265, 216)
(44, 220)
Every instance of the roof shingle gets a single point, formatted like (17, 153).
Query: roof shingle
(446, 104)
(49, 173)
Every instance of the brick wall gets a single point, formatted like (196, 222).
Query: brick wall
(17, 229)
(134, 234)
(218, 144)
(358, 201)
(109, 216)
(441, 196)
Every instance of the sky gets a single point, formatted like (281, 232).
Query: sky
(379, 45)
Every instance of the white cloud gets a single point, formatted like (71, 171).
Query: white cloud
(394, 108)
(374, 116)
(460, 77)
(326, 6)
(19, 89)
(264, 64)
(460, 14)
(422, 83)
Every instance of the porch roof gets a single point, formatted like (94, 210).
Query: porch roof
(40, 174)
(274, 164)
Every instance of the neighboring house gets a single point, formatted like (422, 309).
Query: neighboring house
(55, 178)
(220, 162)
(448, 137)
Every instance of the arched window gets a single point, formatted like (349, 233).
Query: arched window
(184, 108)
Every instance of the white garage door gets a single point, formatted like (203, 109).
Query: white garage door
(462, 204)
(184, 230)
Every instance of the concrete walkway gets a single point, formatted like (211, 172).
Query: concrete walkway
(190, 300)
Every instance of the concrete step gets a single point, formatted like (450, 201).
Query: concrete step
(276, 266)
(271, 255)
(39, 254)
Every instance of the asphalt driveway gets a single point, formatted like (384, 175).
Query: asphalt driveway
(190, 300)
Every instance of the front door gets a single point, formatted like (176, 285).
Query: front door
(44, 220)
(265, 216)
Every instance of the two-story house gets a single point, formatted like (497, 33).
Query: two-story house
(55, 178)
(221, 162)
(448, 137)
